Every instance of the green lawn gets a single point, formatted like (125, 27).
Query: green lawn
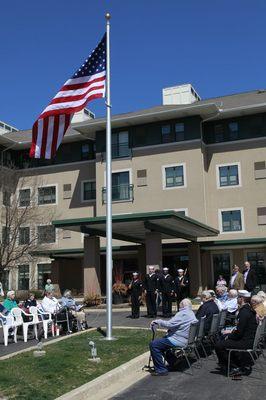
(66, 364)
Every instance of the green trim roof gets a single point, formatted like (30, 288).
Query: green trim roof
(133, 227)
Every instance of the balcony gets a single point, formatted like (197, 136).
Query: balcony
(119, 151)
(123, 192)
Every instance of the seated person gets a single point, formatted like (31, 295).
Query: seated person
(221, 293)
(177, 335)
(10, 301)
(3, 310)
(68, 301)
(263, 295)
(49, 287)
(241, 338)
(208, 309)
(231, 304)
(51, 305)
(258, 306)
(31, 302)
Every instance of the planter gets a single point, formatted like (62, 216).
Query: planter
(118, 298)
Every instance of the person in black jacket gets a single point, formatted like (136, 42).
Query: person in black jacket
(135, 288)
(151, 287)
(208, 309)
(241, 338)
(166, 283)
(250, 278)
(31, 301)
(181, 286)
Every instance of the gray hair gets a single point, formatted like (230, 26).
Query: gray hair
(233, 293)
(262, 294)
(67, 292)
(186, 303)
(206, 294)
(222, 288)
(257, 299)
(10, 293)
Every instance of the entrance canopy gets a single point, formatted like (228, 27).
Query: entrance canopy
(134, 227)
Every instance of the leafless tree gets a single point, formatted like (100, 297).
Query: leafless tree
(20, 215)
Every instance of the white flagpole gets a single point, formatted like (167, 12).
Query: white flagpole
(109, 258)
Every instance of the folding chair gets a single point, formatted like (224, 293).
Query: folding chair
(200, 335)
(191, 346)
(222, 319)
(254, 349)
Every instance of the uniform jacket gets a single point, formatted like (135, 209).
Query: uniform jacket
(151, 282)
(167, 284)
(246, 325)
(136, 287)
(179, 289)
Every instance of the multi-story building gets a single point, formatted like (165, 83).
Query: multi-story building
(189, 190)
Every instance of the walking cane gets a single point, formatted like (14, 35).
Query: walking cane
(148, 367)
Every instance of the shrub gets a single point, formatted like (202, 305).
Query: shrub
(92, 299)
(120, 288)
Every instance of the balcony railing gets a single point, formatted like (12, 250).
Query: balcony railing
(123, 192)
(119, 151)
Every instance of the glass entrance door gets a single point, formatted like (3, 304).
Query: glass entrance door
(221, 266)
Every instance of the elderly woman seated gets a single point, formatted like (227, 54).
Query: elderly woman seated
(76, 310)
(60, 314)
(10, 301)
(258, 306)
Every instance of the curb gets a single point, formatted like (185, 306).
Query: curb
(106, 386)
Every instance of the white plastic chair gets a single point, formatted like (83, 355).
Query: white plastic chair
(7, 322)
(46, 321)
(16, 313)
(34, 321)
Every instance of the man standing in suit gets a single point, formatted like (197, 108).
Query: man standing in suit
(167, 289)
(250, 278)
(237, 279)
(151, 287)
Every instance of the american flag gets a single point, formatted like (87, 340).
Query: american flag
(87, 83)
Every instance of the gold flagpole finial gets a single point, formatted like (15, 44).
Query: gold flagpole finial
(108, 16)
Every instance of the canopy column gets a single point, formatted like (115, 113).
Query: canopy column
(194, 258)
(91, 265)
(153, 243)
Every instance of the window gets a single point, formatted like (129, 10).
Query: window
(166, 134)
(89, 191)
(233, 130)
(141, 177)
(23, 277)
(231, 221)
(261, 214)
(44, 273)
(228, 175)
(120, 186)
(219, 133)
(24, 197)
(221, 266)
(24, 235)
(120, 144)
(174, 176)
(260, 170)
(4, 278)
(5, 235)
(180, 131)
(47, 195)
(46, 234)
(85, 151)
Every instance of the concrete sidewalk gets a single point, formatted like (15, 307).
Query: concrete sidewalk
(206, 384)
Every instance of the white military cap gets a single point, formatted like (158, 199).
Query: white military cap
(135, 273)
(180, 270)
(244, 293)
(165, 269)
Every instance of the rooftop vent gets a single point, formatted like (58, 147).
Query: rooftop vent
(182, 94)
(83, 115)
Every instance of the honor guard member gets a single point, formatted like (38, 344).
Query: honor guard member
(167, 289)
(151, 287)
(181, 286)
(135, 288)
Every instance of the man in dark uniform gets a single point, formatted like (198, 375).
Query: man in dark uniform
(151, 287)
(241, 338)
(250, 278)
(181, 286)
(166, 284)
(135, 288)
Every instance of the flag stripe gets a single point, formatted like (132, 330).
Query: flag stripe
(52, 124)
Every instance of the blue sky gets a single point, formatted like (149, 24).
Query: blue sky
(218, 46)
